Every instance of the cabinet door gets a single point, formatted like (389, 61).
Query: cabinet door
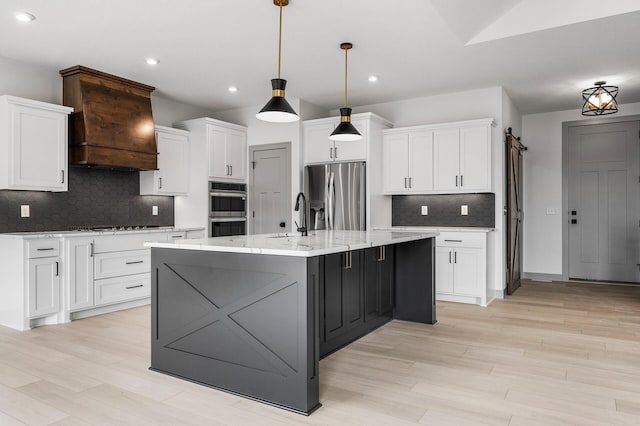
(352, 285)
(444, 270)
(446, 160)
(216, 150)
(38, 149)
(44, 286)
(173, 164)
(421, 161)
(79, 276)
(395, 166)
(371, 283)
(475, 159)
(236, 150)
(386, 276)
(318, 148)
(467, 270)
(334, 322)
(353, 150)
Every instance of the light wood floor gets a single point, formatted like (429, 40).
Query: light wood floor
(551, 354)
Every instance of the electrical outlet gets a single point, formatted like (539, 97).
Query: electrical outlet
(424, 210)
(464, 210)
(25, 211)
(154, 210)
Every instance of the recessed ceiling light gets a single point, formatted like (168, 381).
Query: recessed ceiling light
(24, 17)
(233, 89)
(374, 78)
(152, 61)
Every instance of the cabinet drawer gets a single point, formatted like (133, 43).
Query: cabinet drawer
(47, 247)
(461, 239)
(122, 289)
(108, 265)
(175, 236)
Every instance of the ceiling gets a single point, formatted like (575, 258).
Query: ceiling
(543, 52)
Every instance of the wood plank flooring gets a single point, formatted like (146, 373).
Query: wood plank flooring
(552, 354)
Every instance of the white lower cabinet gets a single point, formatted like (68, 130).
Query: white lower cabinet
(79, 272)
(44, 287)
(121, 289)
(461, 267)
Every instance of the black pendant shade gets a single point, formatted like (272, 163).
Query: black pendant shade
(277, 108)
(345, 131)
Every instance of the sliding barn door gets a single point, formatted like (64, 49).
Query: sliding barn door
(514, 211)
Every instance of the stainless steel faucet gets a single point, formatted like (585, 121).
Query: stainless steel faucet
(303, 214)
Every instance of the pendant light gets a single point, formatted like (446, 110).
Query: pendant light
(600, 100)
(278, 110)
(345, 130)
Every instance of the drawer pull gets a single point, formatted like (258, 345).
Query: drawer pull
(133, 263)
(176, 236)
(453, 241)
(134, 286)
(45, 249)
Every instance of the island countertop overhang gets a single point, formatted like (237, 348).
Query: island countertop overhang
(292, 244)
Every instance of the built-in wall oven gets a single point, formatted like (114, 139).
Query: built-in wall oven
(227, 209)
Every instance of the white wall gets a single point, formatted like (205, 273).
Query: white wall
(29, 81)
(542, 134)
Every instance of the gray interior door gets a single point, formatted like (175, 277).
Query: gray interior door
(514, 212)
(603, 197)
(270, 189)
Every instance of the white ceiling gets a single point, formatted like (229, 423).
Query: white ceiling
(544, 52)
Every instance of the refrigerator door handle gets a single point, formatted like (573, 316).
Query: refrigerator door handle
(331, 195)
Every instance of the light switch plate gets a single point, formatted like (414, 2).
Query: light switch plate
(424, 210)
(154, 210)
(464, 210)
(25, 211)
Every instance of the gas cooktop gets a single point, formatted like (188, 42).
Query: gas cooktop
(113, 228)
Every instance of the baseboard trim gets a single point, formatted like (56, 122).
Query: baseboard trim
(535, 276)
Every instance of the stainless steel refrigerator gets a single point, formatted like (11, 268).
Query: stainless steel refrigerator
(336, 194)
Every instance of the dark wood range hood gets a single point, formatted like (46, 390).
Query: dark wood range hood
(112, 123)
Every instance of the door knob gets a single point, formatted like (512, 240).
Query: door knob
(282, 224)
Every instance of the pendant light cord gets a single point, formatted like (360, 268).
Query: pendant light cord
(345, 76)
(280, 40)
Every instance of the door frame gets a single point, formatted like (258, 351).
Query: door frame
(253, 148)
(565, 177)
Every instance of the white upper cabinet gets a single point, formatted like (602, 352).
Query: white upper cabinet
(318, 148)
(227, 153)
(33, 145)
(172, 176)
(407, 162)
(439, 159)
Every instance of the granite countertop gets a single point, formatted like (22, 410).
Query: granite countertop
(292, 244)
(437, 229)
(61, 234)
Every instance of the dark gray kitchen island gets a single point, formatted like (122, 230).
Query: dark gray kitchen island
(253, 315)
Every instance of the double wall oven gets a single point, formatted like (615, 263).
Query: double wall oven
(227, 209)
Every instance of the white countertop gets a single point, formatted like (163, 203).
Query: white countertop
(65, 234)
(292, 244)
(436, 229)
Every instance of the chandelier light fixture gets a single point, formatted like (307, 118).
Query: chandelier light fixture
(600, 100)
(278, 110)
(345, 130)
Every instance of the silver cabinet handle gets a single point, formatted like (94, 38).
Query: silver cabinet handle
(135, 262)
(453, 241)
(456, 181)
(62, 178)
(405, 183)
(449, 257)
(176, 236)
(46, 249)
(380, 254)
(159, 183)
(91, 253)
(455, 257)
(330, 152)
(410, 182)
(461, 185)
(335, 152)
(134, 286)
